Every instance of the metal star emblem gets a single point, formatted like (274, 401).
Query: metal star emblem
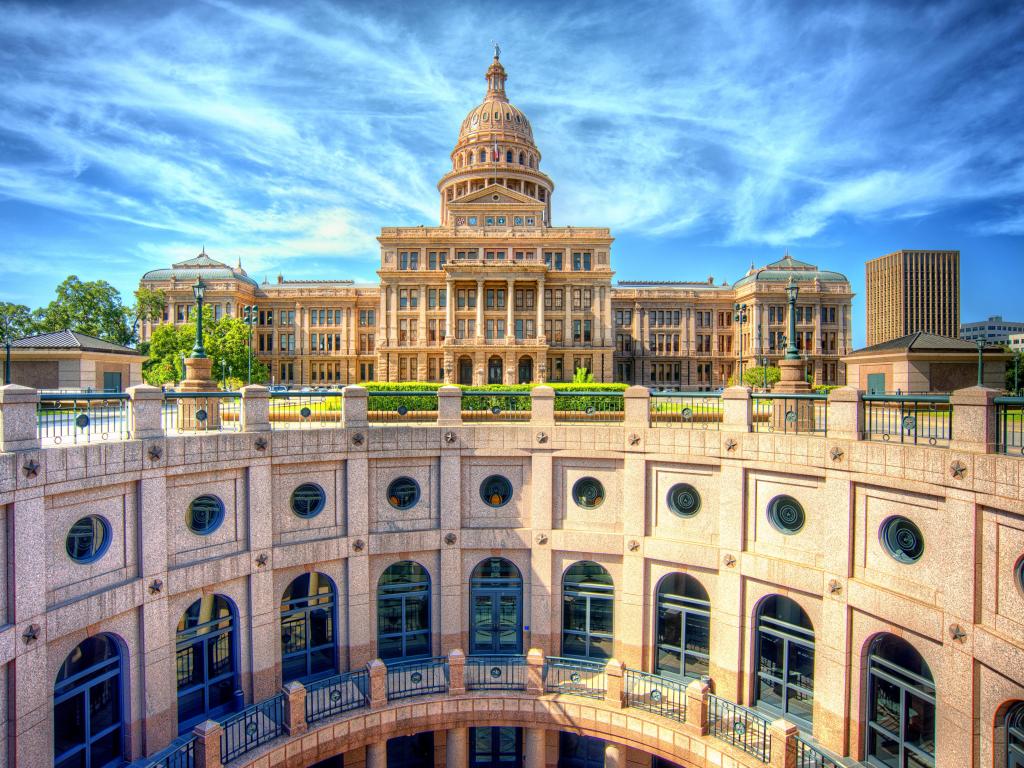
(542, 437)
(358, 545)
(261, 443)
(730, 444)
(155, 452)
(634, 439)
(634, 545)
(450, 538)
(30, 634)
(835, 587)
(449, 437)
(957, 632)
(836, 453)
(958, 469)
(542, 538)
(261, 559)
(155, 586)
(357, 438)
(729, 560)
(31, 468)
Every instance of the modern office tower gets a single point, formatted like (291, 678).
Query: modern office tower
(910, 291)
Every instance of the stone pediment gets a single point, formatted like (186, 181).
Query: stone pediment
(496, 195)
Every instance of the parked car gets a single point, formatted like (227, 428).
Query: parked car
(278, 388)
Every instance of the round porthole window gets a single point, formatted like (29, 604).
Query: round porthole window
(588, 493)
(786, 515)
(902, 539)
(1018, 571)
(684, 500)
(496, 491)
(88, 539)
(205, 514)
(403, 493)
(308, 500)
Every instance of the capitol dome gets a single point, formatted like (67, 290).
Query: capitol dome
(495, 113)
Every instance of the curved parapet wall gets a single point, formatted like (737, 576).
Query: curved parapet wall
(636, 502)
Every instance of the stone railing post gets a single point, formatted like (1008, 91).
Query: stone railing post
(737, 409)
(354, 402)
(697, 707)
(845, 413)
(255, 409)
(378, 682)
(782, 735)
(535, 672)
(294, 708)
(637, 407)
(974, 420)
(449, 406)
(145, 412)
(456, 672)
(207, 750)
(542, 406)
(18, 426)
(614, 672)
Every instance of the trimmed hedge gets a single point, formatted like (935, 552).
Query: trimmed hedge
(380, 401)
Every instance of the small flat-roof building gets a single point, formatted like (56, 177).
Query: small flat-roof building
(69, 360)
(923, 362)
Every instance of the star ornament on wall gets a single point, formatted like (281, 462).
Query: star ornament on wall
(261, 559)
(155, 586)
(261, 443)
(730, 444)
(31, 633)
(957, 633)
(634, 439)
(836, 453)
(155, 452)
(958, 469)
(449, 437)
(30, 468)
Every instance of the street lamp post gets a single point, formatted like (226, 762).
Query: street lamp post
(199, 290)
(981, 357)
(792, 291)
(740, 316)
(764, 371)
(249, 315)
(7, 349)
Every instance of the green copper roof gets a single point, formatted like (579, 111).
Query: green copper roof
(782, 270)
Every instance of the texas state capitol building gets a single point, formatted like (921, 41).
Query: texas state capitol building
(497, 294)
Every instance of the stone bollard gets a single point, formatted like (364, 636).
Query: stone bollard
(782, 735)
(378, 673)
(737, 409)
(845, 413)
(449, 406)
(255, 409)
(535, 672)
(294, 708)
(145, 412)
(697, 707)
(614, 675)
(456, 673)
(18, 427)
(354, 403)
(542, 406)
(207, 749)
(974, 420)
(637, 407)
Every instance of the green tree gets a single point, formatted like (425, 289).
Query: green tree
(226, 342)
(149, 307)
(755, 376)
(1015, 383)
(15, 321)
(92, 307)
(582, 376)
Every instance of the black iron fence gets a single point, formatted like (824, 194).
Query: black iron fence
(810, 756)
(1010, 425)
(303, 410)
(743, 728)
(401, 407)
(654, 693)
(191, 412)
(913, 419)
(253, 726)
(580, 677)
(796, 414)
(693, 411)
(588, 407)
(495, 673)
(334, 695)
(180, 754)
(417, 678)
(70, 419)
(496, 406)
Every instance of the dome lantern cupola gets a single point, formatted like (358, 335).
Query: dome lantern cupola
(496, 77)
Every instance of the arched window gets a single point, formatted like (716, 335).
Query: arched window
(587, 598)
(469, 158)
(785, 660)
(508, 156)
(522, 159)
(88, 718)
(483, 155)
(1015, 736)
(307, 628)
(496, 607)
(206, 662)
(901, 706)
(684, 627)
(403, 611)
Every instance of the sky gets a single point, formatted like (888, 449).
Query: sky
(707, 135)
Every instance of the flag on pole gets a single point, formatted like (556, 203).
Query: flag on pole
(495, 151)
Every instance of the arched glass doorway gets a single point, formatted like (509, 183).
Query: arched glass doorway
(403, 611)
(785, 660)
(495, 370)
(525, 369)
(1015, 737)
(901, 706)
(87, 712)
(684, 627)
(307, 628)
(206, 662)
(588, 596)
(496, 608)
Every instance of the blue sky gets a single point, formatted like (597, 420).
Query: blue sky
(707, 135)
